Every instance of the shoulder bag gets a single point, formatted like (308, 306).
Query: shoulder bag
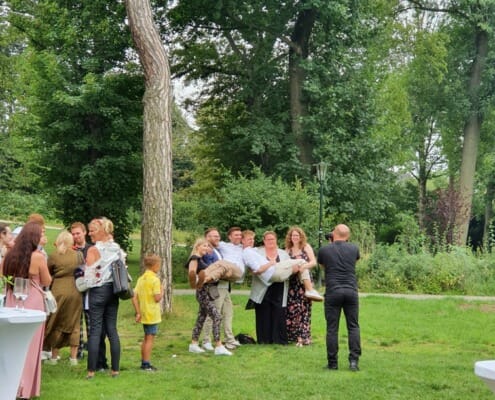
(48, 299)
(121, 280)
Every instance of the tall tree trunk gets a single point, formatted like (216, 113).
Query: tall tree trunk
(422, 179)
(471, 139)
(297, 53)
(156, 229)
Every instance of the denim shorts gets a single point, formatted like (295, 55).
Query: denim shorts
(151, 329)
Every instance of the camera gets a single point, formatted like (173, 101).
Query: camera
(329, 236)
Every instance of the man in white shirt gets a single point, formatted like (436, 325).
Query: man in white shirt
(224, 302)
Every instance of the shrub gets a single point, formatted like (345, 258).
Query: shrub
(260, 203)
(391, 268)
(180, 254)
(17, 206)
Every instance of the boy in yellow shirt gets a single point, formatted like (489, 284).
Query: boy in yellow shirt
(147, 296)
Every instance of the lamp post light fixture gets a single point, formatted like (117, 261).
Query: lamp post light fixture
(321, 173)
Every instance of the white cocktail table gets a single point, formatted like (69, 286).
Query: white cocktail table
(16, 331)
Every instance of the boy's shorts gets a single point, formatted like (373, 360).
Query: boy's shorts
(151, 329)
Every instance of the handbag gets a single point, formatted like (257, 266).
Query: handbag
(121, 280)
(50, 302)
(213, 292)
(48, 299)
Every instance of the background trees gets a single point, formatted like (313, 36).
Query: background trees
(397, 96)
(81, 102)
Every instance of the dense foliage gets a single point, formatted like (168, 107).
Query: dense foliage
(396, 96)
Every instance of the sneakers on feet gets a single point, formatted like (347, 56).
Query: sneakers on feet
(46, 355)
(73, 361)
(148, 367)
(194, 348)
(222, 351)
(230, 346)
(313, 295)
(208, 346)
(52, 361)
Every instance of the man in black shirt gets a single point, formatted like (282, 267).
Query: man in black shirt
(338, 259)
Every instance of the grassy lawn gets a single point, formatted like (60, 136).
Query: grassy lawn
(412, 349)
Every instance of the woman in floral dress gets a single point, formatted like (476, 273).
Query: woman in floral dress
(298, 305)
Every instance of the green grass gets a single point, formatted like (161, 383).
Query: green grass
(412, 349)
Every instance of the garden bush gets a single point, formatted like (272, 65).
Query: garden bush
(392, 269)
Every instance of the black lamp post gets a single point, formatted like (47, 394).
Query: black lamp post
(321, 172)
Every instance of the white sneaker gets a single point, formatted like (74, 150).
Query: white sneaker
(207, 346)
(313, 295)
(51, 361)
(73, 361)
(194, 348)
(236, 343)
(222, 351)
(46, 355)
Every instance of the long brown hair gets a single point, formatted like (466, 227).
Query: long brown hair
(17, 260)
(288, 239)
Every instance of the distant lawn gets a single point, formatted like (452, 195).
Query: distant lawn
(412, 349)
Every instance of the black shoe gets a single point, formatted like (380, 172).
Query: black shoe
(332, 366)
(148, 368)
(353, 365)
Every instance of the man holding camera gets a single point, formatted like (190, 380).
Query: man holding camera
(338, 259)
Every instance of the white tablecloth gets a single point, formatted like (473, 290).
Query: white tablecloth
(16, 331)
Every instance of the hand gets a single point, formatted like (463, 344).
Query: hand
(138, 317)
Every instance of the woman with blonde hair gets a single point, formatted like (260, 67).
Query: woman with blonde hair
(103, 303)
(63, 327)
(298, 300)
(205, 295)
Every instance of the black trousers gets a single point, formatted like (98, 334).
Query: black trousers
(336, 301)
(270, 317)
(103, 309)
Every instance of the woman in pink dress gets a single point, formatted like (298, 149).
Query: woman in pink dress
(25, 261)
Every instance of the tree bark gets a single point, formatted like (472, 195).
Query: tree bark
(472, 130)
(422, 179)
(156, 229)
(298, 52)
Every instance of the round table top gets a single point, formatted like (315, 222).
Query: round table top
(9, 315)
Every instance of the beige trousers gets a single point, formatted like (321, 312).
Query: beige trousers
(223, 270)
(283, 271)
(226, 309)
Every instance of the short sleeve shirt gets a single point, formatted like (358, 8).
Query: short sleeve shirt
(339, 261)
(147, 286)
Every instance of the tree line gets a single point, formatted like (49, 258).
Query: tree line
(395, 96)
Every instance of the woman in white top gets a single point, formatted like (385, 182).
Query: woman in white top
(103, 303)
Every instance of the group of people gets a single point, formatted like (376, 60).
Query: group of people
(79, 275)
(24, 256)
(281, 289)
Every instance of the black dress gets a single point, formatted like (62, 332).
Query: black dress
(271, 316)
